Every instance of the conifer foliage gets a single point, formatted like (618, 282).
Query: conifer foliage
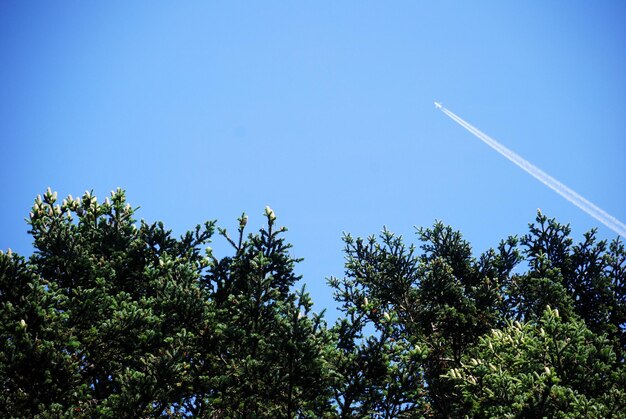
(111, 317)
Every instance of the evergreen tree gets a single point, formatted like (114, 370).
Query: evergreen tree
(547, 368)
(446, 306)
(585, 281)
(109, 318)
(37, 371)
(378, 356)
(114, 318)
(129, 297)
(271, 352)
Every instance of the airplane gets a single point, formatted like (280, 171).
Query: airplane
(438, 105)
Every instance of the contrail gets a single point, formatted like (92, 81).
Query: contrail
(567, 193)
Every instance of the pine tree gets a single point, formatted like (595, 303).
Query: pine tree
(270, 358)
(447, 307)
(585, 281)
(378, 359)
(38, 372)
(548, 368)
(114, 318)
(128, 298)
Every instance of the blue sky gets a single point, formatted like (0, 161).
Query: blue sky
(322, 110)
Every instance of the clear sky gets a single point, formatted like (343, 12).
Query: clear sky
(322, 110)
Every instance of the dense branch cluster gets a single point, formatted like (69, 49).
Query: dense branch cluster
(111, 317)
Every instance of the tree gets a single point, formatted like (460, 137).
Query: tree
(585, 281)
(447, 307)
(130, 299)
(114, 318)
(271, 352)
(111, 318)
(37, 372)
(548, 368)
(428, 310)
(379, 374)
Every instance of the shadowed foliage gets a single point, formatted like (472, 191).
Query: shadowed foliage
(111, 317)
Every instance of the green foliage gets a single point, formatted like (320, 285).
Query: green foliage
(584, 281)
(381, 374)
(110, 317)
(271, 348)
(551, 368)
(458, 318)
(437, 304)
(36, 372)
(130, 299)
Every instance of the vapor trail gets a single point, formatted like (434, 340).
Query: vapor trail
(567, 193)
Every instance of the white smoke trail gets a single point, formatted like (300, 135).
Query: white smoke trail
(567, 193)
